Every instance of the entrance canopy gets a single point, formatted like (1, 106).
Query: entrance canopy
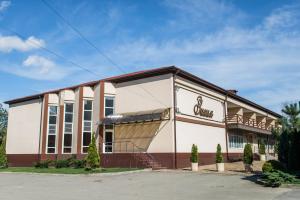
(137, 117)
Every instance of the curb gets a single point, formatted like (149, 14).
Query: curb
(92, 174)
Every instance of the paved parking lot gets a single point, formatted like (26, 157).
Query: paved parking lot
(155, 185)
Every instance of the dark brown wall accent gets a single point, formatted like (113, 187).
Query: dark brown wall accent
(60, 129)
(183, 119)
(22, 160)
(127, 159)
(79, 130)
(101, 115)
(45, 125)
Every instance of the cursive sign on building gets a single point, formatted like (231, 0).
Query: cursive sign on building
(198, 110)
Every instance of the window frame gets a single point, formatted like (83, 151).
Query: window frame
(235, 141)
(48, 128)
(91, 123)
(64, 127)
(112, 131)
(112, 97)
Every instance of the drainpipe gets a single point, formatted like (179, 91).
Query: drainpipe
(226, 129)
(174, 115)
(41, 116)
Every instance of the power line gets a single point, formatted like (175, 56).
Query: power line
(50, 51)
(94, 46)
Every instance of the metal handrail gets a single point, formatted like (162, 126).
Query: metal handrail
(240, 119)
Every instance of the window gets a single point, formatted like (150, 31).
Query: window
(108, 138)
(109, 106)
(52, 124)
(87, 124)
(236, 141)
(68, 127)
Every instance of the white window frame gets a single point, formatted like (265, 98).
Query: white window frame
(104, 140)
(236, 144)
(48, 128)
(109, 97)
(64, 128)
(86, 99)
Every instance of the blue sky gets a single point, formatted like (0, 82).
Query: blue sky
(252, 46)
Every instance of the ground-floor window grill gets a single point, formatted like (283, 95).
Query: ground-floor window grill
(236, 141)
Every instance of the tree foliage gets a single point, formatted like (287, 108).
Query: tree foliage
(93, 158)
(3, 157)
(219, 157)
(194, 154)
(3, 122)
(248, 154)
(289, 139)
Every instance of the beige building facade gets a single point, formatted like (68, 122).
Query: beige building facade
(143, 119)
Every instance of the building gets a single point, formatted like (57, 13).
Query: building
(148, 118)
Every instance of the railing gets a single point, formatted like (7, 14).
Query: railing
(239, 119)
(130, 147)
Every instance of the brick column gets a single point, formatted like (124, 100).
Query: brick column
(60, 130)
(79, 130)
(45, 126)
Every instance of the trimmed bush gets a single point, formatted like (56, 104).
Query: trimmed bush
(3, 157)
(219, 157)
(62, 163)
(93, 158)
(272, 165)
(276, 178)
(78, 164)
(248, 155)
(267, 167)
(194, 154)
(43, 164)
(262, 149)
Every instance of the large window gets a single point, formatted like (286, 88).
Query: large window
(68, 127)
(52, 124)
(236, 141)
(109, 105)
(87, 124)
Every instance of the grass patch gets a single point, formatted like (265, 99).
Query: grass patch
(53, 170)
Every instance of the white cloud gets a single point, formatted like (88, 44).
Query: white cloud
(263, 59)
(38, 68)
(4, 5)
(10, 43)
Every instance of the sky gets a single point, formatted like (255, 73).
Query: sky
(252, 46)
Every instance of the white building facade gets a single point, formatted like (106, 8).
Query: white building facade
(143, 119)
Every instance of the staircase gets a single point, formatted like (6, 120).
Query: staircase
(148, 160)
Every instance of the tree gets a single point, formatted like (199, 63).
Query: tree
(219, 157)
(289, 144)
(3, 158)
(248, 154)
(93, 158)
(194, 154)
(3, 122)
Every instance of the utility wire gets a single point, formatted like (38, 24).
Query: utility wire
(51, 52)
(94, 46)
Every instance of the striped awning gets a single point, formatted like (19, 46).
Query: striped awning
(137, 117)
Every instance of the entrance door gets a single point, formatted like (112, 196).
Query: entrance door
(108, 142)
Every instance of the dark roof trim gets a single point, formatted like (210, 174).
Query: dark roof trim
(151, 73)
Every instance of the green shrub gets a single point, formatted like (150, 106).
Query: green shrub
(3, 157)
(219, 157)
(43, 164)
(93, 158)
(262, 149)
(272, 165)
(62, 163)
(78, 164)
(267, 167)
(248, 154)
(276, 178)
(194, 154)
